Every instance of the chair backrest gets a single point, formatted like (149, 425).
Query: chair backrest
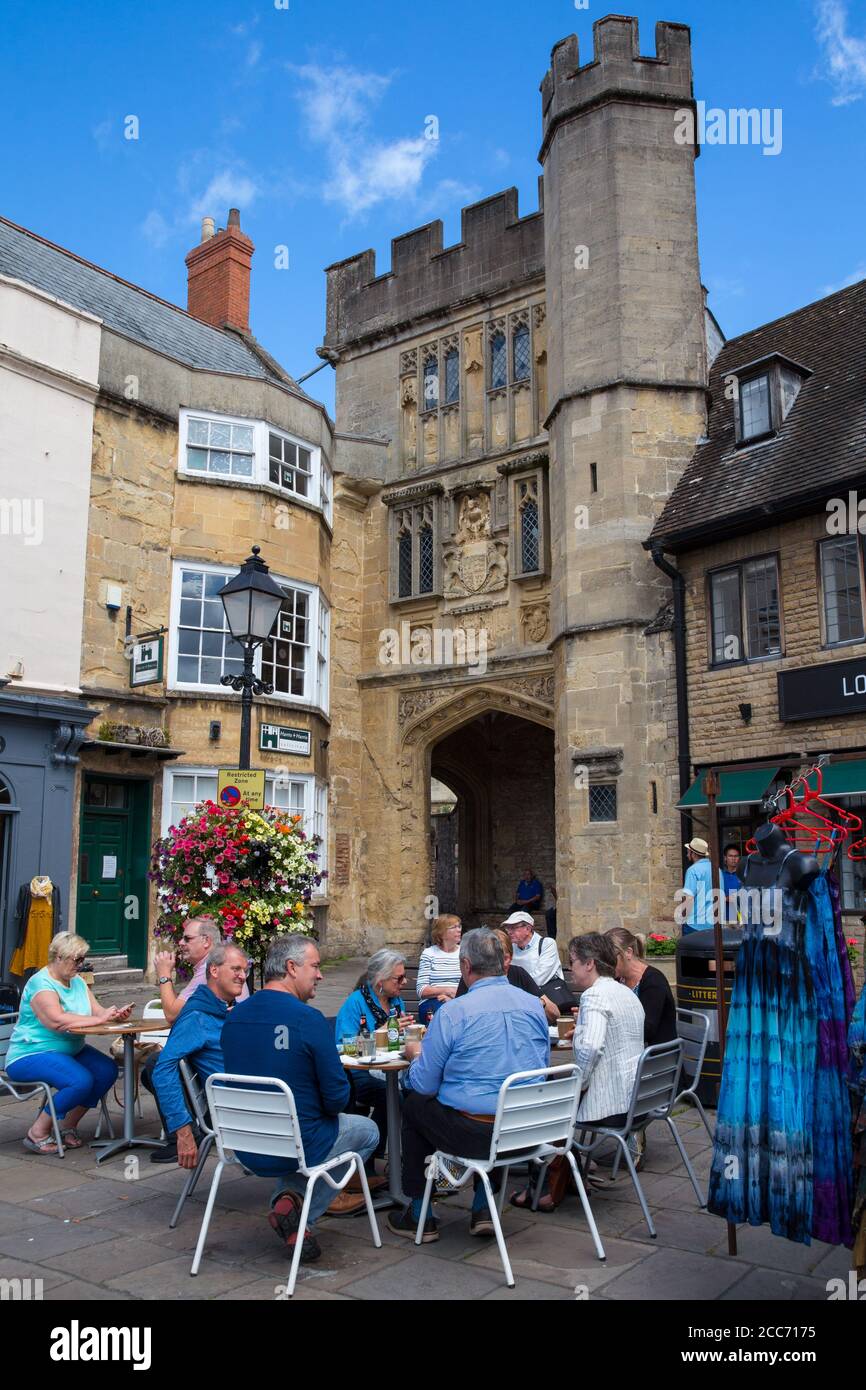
(7, 1028)
(693, 1030)
(657, 1081)
(409, 991)
(153, 1009)
(535, 1107)
(194, 1092)
(254, 1114)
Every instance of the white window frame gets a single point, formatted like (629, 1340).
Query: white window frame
(319, 496)
(314, 696)
(315, 804)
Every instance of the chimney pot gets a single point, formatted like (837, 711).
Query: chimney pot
(218, 284)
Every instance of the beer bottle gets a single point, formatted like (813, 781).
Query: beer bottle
(393, 1030)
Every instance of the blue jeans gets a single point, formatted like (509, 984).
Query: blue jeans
(79, 1079)
(355, 1134)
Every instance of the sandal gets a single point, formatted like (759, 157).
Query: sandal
(48, 1145)
(71, 1139)
(525, 1204)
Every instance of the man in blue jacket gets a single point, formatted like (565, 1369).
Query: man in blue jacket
(196, 1035)
(277, 1033)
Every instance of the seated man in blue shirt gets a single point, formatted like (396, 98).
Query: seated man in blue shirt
(530, 891)
(277, 1033)
(196, 1035)
(473, 1043)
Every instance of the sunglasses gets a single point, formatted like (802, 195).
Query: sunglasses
(78, 961)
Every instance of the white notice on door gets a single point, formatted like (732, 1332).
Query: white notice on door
(109, 866)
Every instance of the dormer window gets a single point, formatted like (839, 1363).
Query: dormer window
(763, 396)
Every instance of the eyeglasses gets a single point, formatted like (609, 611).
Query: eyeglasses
(190, 938)
(78, 961)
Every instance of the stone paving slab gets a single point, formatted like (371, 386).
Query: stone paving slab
(170, 1279)
(676, 1275)
(557, 1256)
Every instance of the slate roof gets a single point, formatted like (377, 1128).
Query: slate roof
(130, 310)
(820, 450)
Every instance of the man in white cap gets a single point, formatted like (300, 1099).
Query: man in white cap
(698, 887)
(538, 956)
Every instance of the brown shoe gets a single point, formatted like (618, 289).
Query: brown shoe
(346, 1204)
(373, 1182)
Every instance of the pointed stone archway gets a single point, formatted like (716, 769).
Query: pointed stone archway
(430, 717)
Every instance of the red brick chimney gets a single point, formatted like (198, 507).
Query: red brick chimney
(218, 285)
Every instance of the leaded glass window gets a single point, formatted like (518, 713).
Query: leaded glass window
(404, 564)
(498, 361)
(726, 617)
(530, 557)
(755, 416)
(431, 384)
(762, 607)
(745, 612)
(840, 579)
(520, 349)
(452, 376)
(602, 801)
(425, 559)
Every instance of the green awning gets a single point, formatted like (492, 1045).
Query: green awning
(746, 786)
(843, 779)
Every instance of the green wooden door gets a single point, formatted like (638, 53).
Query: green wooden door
(103, 869)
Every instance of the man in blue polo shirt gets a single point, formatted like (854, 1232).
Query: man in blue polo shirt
(530, 891)
(277, 1033)
(698, 887)
(473, 1043)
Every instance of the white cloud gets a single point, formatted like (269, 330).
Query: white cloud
(361, 171)
(225, 190)
(156, 230)
(254, 53)
(103, 132)
(858, 273)
(844, 55)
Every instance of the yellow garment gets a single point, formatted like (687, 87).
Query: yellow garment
(34, 953)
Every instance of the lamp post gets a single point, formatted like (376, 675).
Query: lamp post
(251, 601)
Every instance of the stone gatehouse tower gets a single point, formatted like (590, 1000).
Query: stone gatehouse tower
(512, 413)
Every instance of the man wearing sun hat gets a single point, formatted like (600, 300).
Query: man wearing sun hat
(538, 955)
(698, 887)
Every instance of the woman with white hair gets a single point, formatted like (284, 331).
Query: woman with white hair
(42, 1049)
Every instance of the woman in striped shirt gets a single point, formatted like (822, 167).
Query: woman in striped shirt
(439, 967)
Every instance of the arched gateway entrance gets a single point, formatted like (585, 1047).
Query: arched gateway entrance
(493, 751)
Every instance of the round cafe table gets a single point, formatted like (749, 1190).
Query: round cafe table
(127, 1031)
(391, 1064)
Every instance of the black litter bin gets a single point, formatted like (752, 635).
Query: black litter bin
(696, 989)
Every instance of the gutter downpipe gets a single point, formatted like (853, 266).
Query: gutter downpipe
(684, 757)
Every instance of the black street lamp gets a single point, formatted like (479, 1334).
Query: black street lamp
(251, 601)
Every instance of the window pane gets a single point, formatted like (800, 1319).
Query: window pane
(188, 642)
(602, 801)
(498, 361)
(452, 376)
(404, 565)
(190, 612)
(197, 432)
(755, 406)
(425, 560)
(521, 354)
(762, 608)
(187, 669)
(191, 583)
(431, 384)
(220, 435)
(196, 459)
(727, 624)
(212, 585)
(242, 437)
(242, 465)
(840, 573)
(529, 557)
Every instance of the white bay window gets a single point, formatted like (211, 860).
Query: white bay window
(253, 452)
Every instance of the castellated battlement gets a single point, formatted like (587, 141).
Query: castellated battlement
(618, 70)
(497, 249)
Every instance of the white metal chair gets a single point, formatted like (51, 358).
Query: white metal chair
(247, 1117)
(26, 1090)
(693, 1028)
(656, 1085)
(535, 1115)
(194, 1092)
(153, 1009)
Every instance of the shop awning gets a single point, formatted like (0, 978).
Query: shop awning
(747, 786)
(843, 779)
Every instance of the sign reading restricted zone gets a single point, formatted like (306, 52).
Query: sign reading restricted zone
(236, 784)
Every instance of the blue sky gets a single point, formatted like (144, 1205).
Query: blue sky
(311, 119)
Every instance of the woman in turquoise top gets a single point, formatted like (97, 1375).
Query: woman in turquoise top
(41, 1048)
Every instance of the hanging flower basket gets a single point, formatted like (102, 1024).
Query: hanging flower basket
(254, 871)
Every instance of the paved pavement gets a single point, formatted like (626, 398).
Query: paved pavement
(102, 1233)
